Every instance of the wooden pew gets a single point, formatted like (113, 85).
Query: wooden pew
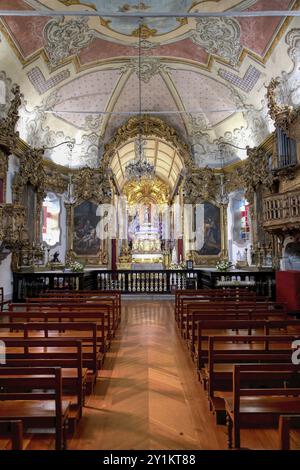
(212, 295)
(261, 407)
(286, 423)
(115, 294)
(107, 310)
(34, 395)
(55, 352)
(248, 310)
(258, 349)
(14, 431)
(207, 328)
(193, 305)
(92, 356)
(231, 312)
(50, 314)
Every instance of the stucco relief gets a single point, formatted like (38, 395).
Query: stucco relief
(289, 86)
(257, 126)
(63, 38)
(5, 93)
(219, 36)
(34, 128)
(145, 68)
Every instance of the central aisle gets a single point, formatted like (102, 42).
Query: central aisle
(148, 396)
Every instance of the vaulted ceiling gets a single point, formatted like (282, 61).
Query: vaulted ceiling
(204, 76)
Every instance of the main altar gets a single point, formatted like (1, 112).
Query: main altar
(146, 247)
(143, 249)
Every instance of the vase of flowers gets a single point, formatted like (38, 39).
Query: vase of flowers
(223, 265)
(76, 267)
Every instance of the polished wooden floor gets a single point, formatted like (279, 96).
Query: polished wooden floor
(148, 395)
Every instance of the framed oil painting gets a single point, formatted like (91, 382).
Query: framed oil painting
(210, 227)
(86, 243)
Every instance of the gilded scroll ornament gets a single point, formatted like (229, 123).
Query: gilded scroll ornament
(8, 124)
(31, 171)
(201, 185)
(283, 116)
(253, 173)
(92, 184)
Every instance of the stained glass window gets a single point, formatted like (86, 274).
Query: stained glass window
(245, 225)
(50, 219)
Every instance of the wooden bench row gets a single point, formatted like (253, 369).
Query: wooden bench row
(245, 367)
(54, 349)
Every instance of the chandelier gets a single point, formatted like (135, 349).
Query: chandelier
(139, 167)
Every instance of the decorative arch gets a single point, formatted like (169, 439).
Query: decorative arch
(148, 126)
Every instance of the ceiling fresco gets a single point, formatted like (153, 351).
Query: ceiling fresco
(205, 77)
(126, 26)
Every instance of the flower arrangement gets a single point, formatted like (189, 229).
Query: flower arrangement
(223, 265)
(76, 267)
(175, 266)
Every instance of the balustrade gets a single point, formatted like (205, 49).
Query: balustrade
(281, 209)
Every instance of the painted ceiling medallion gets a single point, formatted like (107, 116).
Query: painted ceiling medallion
(129, 26)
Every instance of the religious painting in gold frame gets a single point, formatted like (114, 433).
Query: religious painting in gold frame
(213, 234)
(84, 243)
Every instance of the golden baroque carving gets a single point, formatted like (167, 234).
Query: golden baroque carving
(146, 191)
(8, 135)
(3, 171)
(253, 173)
(148, 126)
(283, 116)
(12, 226)
(200, 185)
(92, 183)
(55, 182)
(31, 171)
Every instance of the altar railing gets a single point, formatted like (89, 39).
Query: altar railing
(127, 281)
(150, 282)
